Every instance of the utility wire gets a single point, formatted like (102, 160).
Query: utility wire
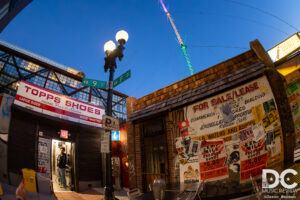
(246, 19)
(218, 46)
(243, 19)
(265, 12)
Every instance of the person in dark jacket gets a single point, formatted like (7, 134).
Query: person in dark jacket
(61, 166)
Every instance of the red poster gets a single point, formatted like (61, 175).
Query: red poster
(212, 164)
(253, 158)
(212, 160)
(253, 172)
(184, 128)
(254, 162)
(214, 173)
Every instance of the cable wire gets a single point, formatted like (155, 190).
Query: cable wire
(218, 46)
(245, 19)
(265, 12)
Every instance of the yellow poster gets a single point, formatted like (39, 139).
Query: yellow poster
(270, 119)
(258, 114)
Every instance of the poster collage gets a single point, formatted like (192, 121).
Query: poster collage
(233, 135)
(293, 94)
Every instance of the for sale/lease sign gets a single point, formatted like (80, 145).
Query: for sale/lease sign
(239, 131)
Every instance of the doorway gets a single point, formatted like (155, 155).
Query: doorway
(69, 175)
(156, 160)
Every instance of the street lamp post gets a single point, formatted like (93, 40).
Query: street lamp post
(112, 53)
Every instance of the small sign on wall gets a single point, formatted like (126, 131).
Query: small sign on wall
(44, 150)
(105, 142)
(115, 135)
(64, 134)
(110, 123)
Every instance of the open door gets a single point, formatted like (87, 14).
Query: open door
(69, 171)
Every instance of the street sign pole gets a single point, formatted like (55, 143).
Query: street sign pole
(108, 186)
(110, 63)
(109, 190)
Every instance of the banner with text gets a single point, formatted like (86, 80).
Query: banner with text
(57, 105)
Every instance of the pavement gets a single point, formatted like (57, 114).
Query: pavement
(9, 193)
(87, 195)
(91, 194)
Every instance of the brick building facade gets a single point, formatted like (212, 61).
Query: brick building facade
(153, 120)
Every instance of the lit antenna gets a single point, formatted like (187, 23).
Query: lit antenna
(182, 45)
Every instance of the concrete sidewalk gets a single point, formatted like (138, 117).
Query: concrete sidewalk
(91, 194)
(87, 195)
(9, 193)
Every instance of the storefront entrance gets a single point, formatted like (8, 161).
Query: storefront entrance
(69, 172)
(35, 143)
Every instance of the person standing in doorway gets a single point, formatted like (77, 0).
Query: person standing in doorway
(61, 166)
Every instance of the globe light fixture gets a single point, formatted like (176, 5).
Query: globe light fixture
(109, 46)
(112, 53)
(122, 37)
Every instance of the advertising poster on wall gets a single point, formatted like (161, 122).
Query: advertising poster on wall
(190, 172)
(44, 150)
(244, 117)
(253, 158)
(187, 151)
(293, 93)
(212, 160)
(233, 156)
(5, 116)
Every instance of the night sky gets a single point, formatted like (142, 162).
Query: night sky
(73, 32)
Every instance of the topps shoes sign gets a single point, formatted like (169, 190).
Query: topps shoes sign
(56, 105)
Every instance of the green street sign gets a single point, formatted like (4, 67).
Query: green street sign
(122, 78)
(94, 83)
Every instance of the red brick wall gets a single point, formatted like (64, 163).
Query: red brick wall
(131, 145)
